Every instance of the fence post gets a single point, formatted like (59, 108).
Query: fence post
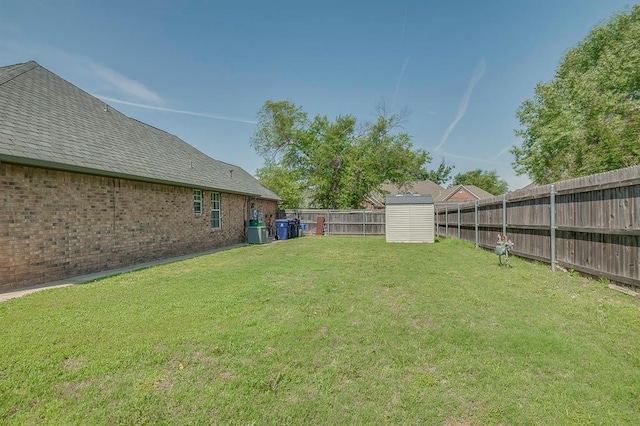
(476, 221)
(552, 233)
(437, 214)
(446, 221)
(504, 214)
(364, 222)
(458, 220)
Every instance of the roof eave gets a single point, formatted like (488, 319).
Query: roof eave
(24, 161)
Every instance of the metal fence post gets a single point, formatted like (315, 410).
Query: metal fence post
(364, 222)
(446, 222)
(476, 221)
(458, 220)
(504, 214)
(552, 233)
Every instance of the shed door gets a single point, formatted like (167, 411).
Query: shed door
(410, 223)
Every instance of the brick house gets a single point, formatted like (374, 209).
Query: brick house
(454, 194)
(461, 194)
(84, 188)
(376, 199)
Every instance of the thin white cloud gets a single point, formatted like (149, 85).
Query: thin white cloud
(126, 86)
(83, 68)
(504, 151)
(177, 111)
(404, 25)
(470, 158)
(399, 82)
(406, 60)
(464, 103)
(67, 64)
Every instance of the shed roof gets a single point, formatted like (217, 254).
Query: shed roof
(409, 199)
(46, 121)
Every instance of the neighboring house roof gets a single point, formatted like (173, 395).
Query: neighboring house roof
(530, 186)
(472, 190)
(377, 198)
(415, 187)
(46, 121)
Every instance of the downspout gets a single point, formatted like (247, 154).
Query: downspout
(114, 239)
(247, 215)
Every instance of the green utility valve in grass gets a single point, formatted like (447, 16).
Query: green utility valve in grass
(503, 248)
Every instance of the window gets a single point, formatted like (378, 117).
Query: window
(197, 201)
(215, 210)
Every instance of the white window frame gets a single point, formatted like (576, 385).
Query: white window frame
(197, 201)
(216, 207)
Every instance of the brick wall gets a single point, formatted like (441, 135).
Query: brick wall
(57, 224)
(460, 196)
(268, 209)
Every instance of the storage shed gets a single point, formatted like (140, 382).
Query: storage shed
(409, 218)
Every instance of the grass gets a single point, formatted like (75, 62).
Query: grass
(325, 331)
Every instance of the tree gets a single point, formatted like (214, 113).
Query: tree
(441, 175)
(587, 119)
(489, 181)
(285, 181)
(341, 161)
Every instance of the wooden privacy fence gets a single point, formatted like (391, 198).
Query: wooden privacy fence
(590, 224)
(342, 222)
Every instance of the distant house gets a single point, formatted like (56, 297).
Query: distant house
(462, 193)
(84, 188)
(376, 199)
(455, 194)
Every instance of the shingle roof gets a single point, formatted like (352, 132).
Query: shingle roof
(47, 121)
(377, 197)
(479, 193)
(415, 187)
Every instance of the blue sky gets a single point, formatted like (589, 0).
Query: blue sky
(202, 69)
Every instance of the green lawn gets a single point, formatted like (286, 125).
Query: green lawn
(325, 331)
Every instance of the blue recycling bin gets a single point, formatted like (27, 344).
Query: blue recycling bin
(282, 228)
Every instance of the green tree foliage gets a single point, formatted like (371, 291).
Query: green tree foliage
(489, 181)
(587, 119)
(272, 175)
(337, 162)
(442, 175)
